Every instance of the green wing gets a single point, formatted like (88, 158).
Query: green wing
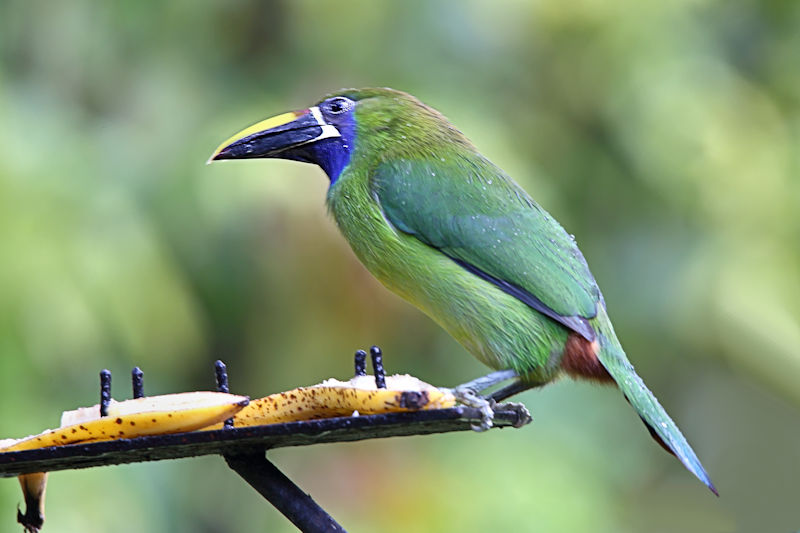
(471, 211)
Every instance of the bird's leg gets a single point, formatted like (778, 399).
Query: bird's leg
(469, 394)
(488, 381)
(515, 387)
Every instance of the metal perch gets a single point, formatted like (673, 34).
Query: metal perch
(244, 447)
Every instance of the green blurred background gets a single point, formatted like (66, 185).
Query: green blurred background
(664, 135)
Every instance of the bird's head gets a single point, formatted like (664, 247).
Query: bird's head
(367, 123)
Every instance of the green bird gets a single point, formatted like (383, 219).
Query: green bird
(443, 227)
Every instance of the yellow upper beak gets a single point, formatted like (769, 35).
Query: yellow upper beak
(264, 125)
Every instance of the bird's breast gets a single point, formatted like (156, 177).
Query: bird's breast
(498, 329)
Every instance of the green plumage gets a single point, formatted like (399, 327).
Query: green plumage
(417, 195)
(472, 212)
(444, 228)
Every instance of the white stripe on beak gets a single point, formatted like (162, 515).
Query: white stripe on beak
(328, 130)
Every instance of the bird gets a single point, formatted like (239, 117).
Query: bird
(443, 227)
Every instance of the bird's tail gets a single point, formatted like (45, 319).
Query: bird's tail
(661, 426)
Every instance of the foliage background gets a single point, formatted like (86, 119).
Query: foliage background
(664, 135)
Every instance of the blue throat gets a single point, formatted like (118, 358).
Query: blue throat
(332, 154)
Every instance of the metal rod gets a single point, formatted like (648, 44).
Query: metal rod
(377, 367)
(361, 363)
(137, 381)
(105, 391)
(221, 373)
(281, 492)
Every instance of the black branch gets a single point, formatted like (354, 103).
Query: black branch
(281, 492)
(244, 448)
(252, 439)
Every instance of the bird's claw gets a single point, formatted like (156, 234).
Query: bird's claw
(467, 396)
(523, 416)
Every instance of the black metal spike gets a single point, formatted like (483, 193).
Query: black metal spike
(137, 381)
(377, 367)
(105, 391)
(221, 372)
(361, 363)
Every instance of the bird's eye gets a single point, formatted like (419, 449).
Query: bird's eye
(339, 105)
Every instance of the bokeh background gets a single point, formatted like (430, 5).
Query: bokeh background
(664, 135)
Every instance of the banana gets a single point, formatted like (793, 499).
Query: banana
(333, 398)
(33, 489)
(151, 415)
(190, 411)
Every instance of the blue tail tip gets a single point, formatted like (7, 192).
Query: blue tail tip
(703, 476)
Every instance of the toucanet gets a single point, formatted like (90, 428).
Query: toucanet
(443, 227)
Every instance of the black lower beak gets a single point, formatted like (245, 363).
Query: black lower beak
(272, 141)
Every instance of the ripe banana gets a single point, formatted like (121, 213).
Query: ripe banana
(173, 413)
(333, 398)
(151, 415)
(33, 488)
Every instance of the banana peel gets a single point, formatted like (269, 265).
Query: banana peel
(153, 415)
(33, 490)
(191, 411)
(333, 398)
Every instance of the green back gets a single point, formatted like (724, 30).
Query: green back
(472, 212)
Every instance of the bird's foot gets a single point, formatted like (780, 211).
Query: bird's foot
(467, 396)
(522, 415)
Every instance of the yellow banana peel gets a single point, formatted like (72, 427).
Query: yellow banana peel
(152, 415)
(190, 411)
(333, 398)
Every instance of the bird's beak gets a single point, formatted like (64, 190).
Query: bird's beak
(274, 135)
